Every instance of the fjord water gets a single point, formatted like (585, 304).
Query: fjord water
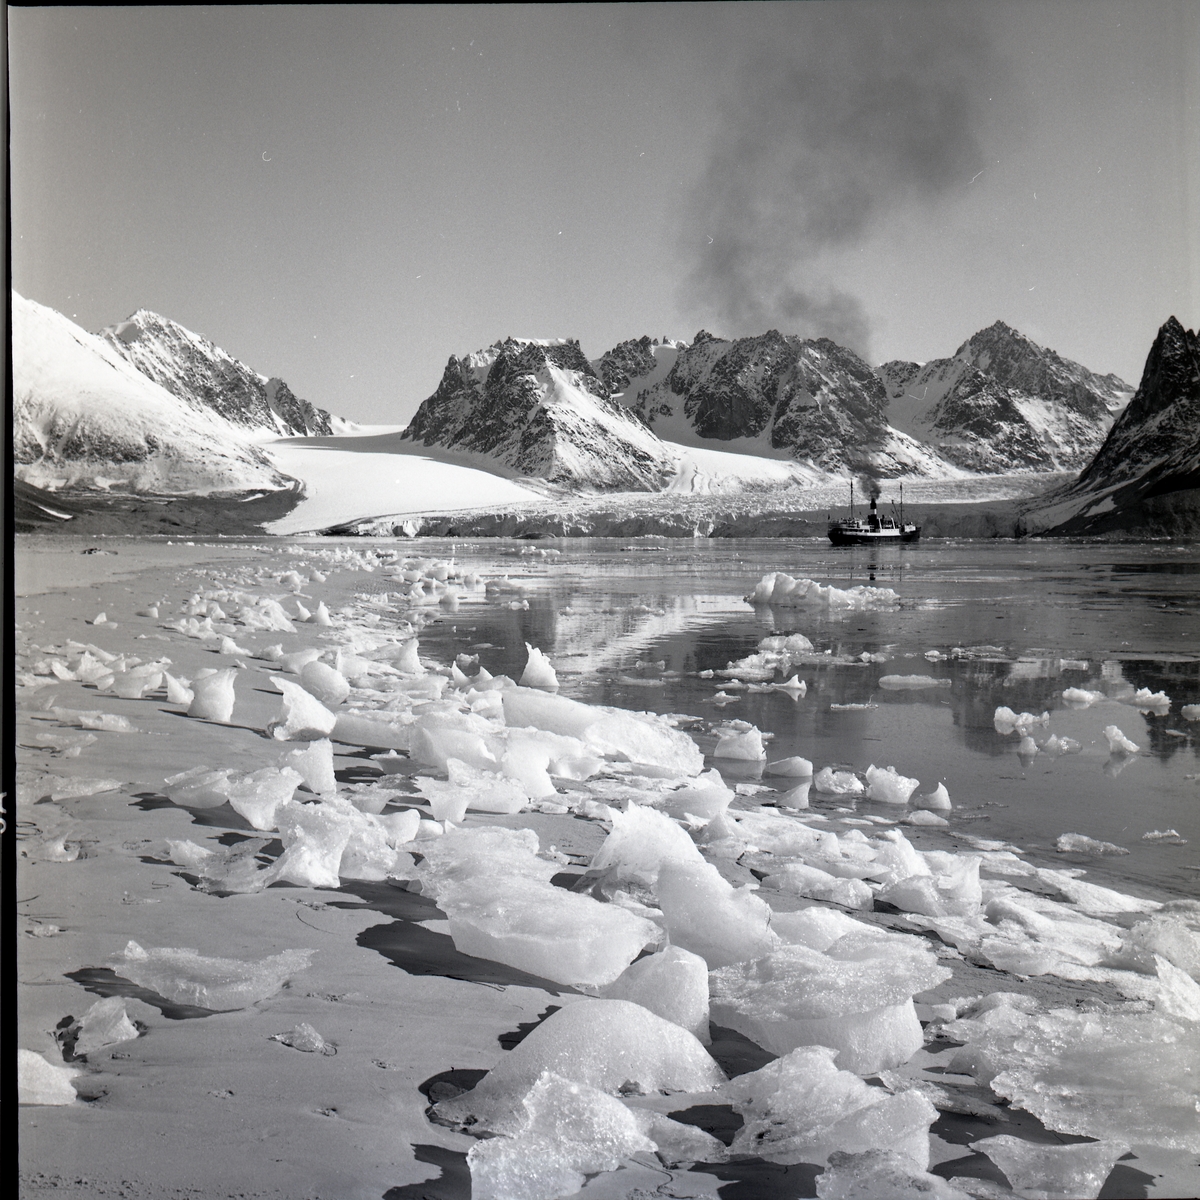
(632, 623)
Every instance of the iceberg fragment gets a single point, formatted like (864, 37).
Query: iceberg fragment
(888, 785)
(705, 914)
(41, 1082)
(610, 1045)
(1052, 1171)
(672, 983)
(328, 685)
(641, 842)
(303, 717)
(212, 696)
(1118, 743)
(538, 673)
(882, 1175)
(184, 976)
(802, 1108)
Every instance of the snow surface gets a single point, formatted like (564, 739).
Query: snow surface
(355, 478)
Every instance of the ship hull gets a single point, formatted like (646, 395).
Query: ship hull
(841, 536)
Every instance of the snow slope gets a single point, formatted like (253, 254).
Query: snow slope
(206, 377)
(85, 417)
(357, 478)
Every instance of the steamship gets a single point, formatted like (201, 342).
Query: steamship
(875, 529)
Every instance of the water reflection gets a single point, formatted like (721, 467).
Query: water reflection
(1004, 625)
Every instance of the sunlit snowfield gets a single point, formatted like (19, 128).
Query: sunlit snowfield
(1011, 624)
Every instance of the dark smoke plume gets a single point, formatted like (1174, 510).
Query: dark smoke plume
(845, 113)
(869, 485)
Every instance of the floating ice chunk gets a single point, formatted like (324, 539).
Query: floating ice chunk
(200, 787)
(704, 913)
(897, 683)
(938, 800)
(401, 827)
(212, 698)
(527, 760)
(855, 996)
(1190, 712)
(1163, 835)
(438, 738)
(803, 880)
(838, 783)
(1081, 697)
(304, 1037)
(802, 1108)
(138, 682)
(895, 858)
(408, 662)
(744, 746)
(795, 686)
(303, 717)
(888, 785)
(794, 768)
(1052, 1171)
(315, 764)
(321, 615)
(708, 797)
(570, 1130)
(538, 670)
(641, 842)
(1027, 749)
(1118, 743)
(258, 796)
(672, 983)
(41, 1082)
(881, 1175)
(1078, 843)
(924, 817)
(1005, 720)
(329, 686)
(184, 976)
(1061, 745)
(524, 706)
(780, 589)
(1167, 936)
(797, 797)
(1148, 701)
(106, 1023)
(605, 1044)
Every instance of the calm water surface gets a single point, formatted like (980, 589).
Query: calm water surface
(1020, 622)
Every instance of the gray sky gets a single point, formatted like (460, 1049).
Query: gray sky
(345, 196)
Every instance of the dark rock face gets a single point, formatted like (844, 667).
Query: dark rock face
(625, 362)
(541, 410)
(204, 376)
(1151, 453)
(812, 399)
(1017, 362)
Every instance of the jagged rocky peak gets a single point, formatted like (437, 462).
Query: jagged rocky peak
(1145, 479)
(781, 395)
(203, 375)
(631, 362)
(1017, 361)
(540, 409)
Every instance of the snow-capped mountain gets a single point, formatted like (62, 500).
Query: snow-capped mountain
(539, 409)
(206, 377)
(83, 416)
(1148, 470)
(778, 396)
(1004, 403)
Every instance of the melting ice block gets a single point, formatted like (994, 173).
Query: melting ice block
(200, 787)
(570, 1130)
(708, 797)
(888, 785)
(258, 796)
(938, 800)
(610, 1045)
(538, 673)
(672, 983)
(641, 841)
(954, 891)
(881, 1175)
(1052, 1171)
(106, 1023)
(1076, 1071)
(803, 880)
(854, 996)
(780, 589)
(744, 746)
(544, 930)
(212, 697)
(802, 1108)
(705, 914)
(41, 1082)
(328, 685)
(359, 729)
(186, 977)
(315, 765)
(303, 718)
(838, 783)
